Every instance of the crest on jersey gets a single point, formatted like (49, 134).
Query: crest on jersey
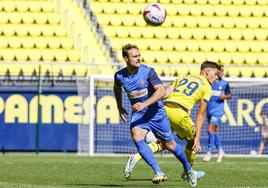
(142, 82)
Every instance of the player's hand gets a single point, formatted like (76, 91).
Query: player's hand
(123, 113)
(138, 106)
(197, 145)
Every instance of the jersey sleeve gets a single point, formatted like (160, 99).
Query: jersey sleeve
(227, 89)
(153, 78)
(116, 80)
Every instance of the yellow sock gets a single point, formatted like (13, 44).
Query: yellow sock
(190, 154)
(155, 147)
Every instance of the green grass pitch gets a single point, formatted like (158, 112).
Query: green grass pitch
(30, 170)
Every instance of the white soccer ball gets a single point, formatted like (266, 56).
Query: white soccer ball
(154, 14)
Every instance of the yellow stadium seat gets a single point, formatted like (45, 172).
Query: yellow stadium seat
(61, 55)
(14, 69)
(161, 70)
(210, 34)
(53, 18)
(203, 21)
(190, 22)
(192, 45)
(53, 42)
(21, 29)
(234, 71)
(147, 32)
(179, 70)
(263, 22)
(135, 32)
(41, 18)
(167, 45)
(47, 55)
(223, 34)
(9, 6)
(14, 17)
(28, 69)
(134, 8)
(154, 44)
(258, 11)
(233, 10)
(248, 34)
(14, 42)
(173, 34)
(225, 58)
(255, 46)
(250, 2)
(245, 11)
(22, 6)
(96, 7)
(201, 2)
(209, 11)
(116, 20)
(212, 56)
(161, 33)
(217, 46)
(261, 34)
(35, 6)
(28, 17)
(237, 58)
(194, 70)
(47, 6)
(265, 46)
(27, 42)
(220, 9)
(47, 30)
(174, 1)
(128, 20)
(243, 46)
(121, 8)
(183, 10)
(199, 34)
(253, 23)
(250, 58)
(60, 31)
(8, 29)
(4, 42)
(4, 18)
(40, 42)
(247, 72)
(259, 71)
(109, 8)
(228, 22)
(215, 22)
(238, 2)
(205, 46)
(66, 42)
(34, 30)
(148, 57)
(185, 34)
(3, 68)
(214, 2)
(34, 55)
(21, 55)
(240, 22)
(230, 46)
(161, 57)
(74, 55)
(173, 56)
(186, 58)
(262, 58)
(139, 21)
(226, 2)
(199, 57)
(8, 54)
(235, 34)
(180, 45)
(103, 19)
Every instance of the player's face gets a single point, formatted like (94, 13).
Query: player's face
(221, 72)
(212, 75)
(134, 58)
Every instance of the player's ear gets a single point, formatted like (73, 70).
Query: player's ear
(125, 58)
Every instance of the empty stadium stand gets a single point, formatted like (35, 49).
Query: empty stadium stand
(231, 32)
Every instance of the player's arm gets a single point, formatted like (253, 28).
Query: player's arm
(118, 97)
(159, 92)
(169, 89)
(200, 119)
(227, 94)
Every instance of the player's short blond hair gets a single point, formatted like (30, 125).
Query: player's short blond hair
(128, 47)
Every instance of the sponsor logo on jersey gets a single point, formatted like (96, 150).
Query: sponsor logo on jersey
(137, 93)
(216, 93)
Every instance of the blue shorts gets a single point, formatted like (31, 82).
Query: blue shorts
(214, 120)
(154, 120)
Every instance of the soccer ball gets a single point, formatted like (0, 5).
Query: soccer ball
(154, 14)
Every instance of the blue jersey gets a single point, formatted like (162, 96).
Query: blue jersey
(139, 87)
(216, 104)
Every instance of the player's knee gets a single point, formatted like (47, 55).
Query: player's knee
(170, 145)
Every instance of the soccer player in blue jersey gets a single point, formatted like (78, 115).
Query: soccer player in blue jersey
(215, 110)
(144, 90)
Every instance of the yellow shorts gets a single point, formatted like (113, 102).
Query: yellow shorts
(181, 122)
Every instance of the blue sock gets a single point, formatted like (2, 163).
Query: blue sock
(211, 139)
(179, 153)
(218, 141)
(147, 155)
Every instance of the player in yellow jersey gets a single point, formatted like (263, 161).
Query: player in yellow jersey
(181, 96)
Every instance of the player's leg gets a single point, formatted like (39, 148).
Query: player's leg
(261, 147)
(211, 141)
(138, 135)
(135, 158)
(217, 123)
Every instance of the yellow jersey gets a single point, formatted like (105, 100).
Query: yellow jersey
(190, 89)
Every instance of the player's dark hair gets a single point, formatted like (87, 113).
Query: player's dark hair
(211, 64)
(128, 47)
